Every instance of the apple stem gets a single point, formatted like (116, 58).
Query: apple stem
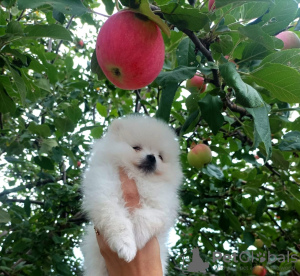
(100, 13)
(117, 5)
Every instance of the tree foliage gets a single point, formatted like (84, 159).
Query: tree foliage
(52, 107)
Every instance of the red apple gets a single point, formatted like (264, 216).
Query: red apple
(211, 5)
(258, 243)
(290, 40)
(80, 43)
(199, 155)
(78, 164)
(297, 266)
(196, 83)
(130, 50)
(259, 270)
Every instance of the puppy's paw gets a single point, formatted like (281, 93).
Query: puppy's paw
(147, 224)
(125, 247)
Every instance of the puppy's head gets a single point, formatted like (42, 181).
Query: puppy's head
(144, 145)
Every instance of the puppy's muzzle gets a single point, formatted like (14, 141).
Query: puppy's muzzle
(148, 165)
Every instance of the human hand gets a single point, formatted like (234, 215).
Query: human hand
(147, 260)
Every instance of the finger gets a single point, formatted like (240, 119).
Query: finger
(129, 189)
(103, 246)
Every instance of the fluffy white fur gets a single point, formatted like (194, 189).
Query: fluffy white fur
(125, 231)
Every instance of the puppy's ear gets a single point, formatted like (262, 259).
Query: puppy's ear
(115, 126)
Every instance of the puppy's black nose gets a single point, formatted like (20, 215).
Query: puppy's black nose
(151, 159)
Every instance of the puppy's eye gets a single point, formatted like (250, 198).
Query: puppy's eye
(137, 148)
(160, 157)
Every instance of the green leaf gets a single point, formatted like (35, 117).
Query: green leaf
(248, 238)
(64, 125)
(222, 3)
(48, 145)
(234, 222)
(254, 51)
(170, 82)
(184, 18)
(14, 28)
(260, 209)
(53, 31)
(63, 269)
(246, 95)
(186, 53)
(74, 7)
(282, 81)
(4, 216)
(71, 155)
(213, 171)
(41, 130)
(44, 162)
(74, 113)
(20, 84)
(211, 111)
(97, 132)
(166, 101)
(292, 202)
(57, 154)
(192, 101)
(58, 16)
(281, 13)
(223, 45)
(224, 222)
(256, 34)
(190, 122)
(6, 102)
(13, 160)
(95, 68)
(27, 207)
(133, 4)
(290, 142)
(278, 159)
(178, 75)
(262, 131)
(109, 6)
(289, 57)
(207, 243)
(102, 110)
(254, 10)
(144, 8)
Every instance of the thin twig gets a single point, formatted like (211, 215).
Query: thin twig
(266, 189)
(101, 14)
(137, 102)
(235, 108)
(139, 98)
(23, 201)
(20, 16)
(281, 230)
(205, 52)
(1, 121)
(29, 186)
(272, 169)
(61, 41)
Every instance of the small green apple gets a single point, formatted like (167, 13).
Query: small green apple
(258, 243)
(297, 266)
(199, 155)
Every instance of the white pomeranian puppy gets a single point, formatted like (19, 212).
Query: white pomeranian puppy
(147, 150)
